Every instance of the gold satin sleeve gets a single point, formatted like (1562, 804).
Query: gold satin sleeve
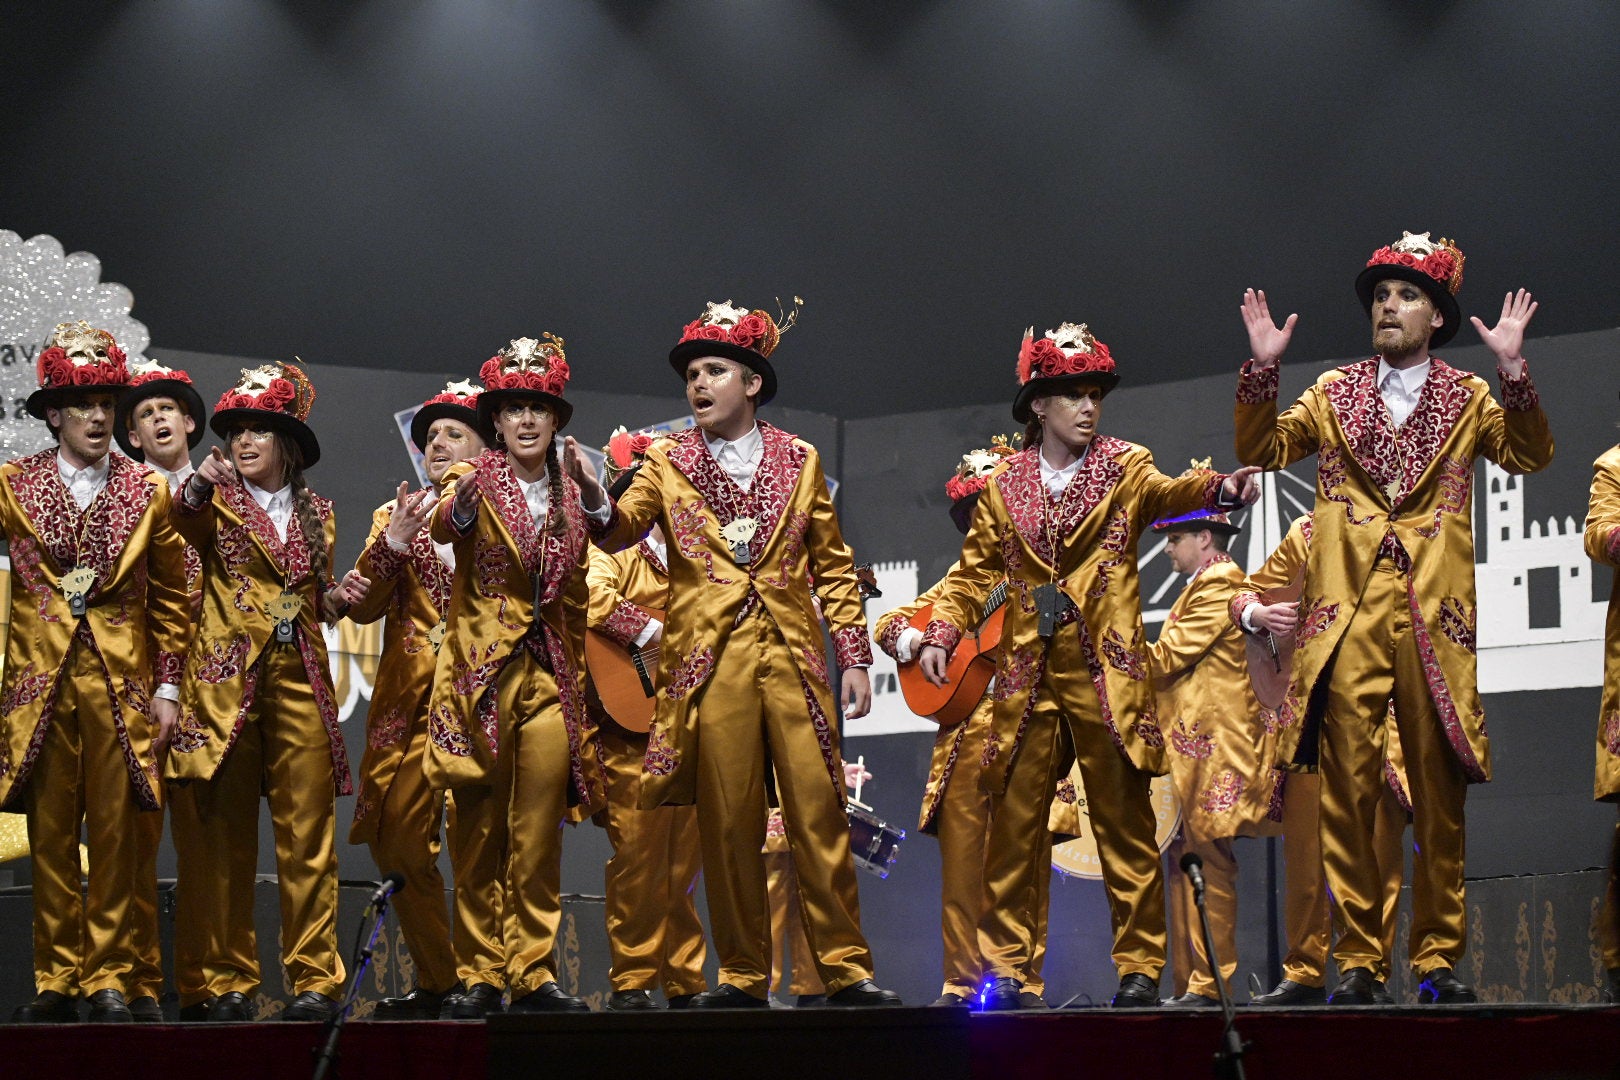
(1272, 441)
(960, 601)
(1161, 495)
(1603, 510)
(381, 594)
(1518, 440)
(602, 579)
(1283, 565)
(831, 562)
(1186, 640)
(893, 623)
(441, 529)
(634, 512)
(168, 597)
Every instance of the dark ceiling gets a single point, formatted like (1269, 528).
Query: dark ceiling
(408, 185)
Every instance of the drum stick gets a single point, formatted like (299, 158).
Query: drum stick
(860, 773)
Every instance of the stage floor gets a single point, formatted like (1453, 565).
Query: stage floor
(1474, 1042)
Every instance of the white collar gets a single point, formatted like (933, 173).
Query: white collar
(1411, 378)
(267, 499)
(176, 478)
(1048, 469)
(94, 473)
(746, 447)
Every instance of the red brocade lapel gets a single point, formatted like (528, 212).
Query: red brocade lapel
(71, 537)
(500, 486)
(1370, 432)
(431, 571)
(781, 461)
(1031, 507)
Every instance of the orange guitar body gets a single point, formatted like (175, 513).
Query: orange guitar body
(627, 691)
(968, 673)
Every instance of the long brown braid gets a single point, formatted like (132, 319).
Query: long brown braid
(320, 558)
(559, 504)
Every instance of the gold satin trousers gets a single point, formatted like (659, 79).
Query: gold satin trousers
(1609, 914)
(509, 833)
(1066, 723)
(1188, 956)
(790, 949)
(1377, 660)
(406, 841)
(283, 752)
(753, 711)
(654, 934)
(83, 940)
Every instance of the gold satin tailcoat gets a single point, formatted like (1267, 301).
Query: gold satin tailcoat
(624, 586)
(1603, 545)
(137, 620)
(1115, 494)
(411, 589)
(1222, 755)
(1414, 486)
(492, 611)
(684, 489)
(245, 566)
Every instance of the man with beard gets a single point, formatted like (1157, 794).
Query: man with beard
(1389, 611)
(99, 620)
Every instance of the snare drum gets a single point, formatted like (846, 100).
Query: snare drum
(873, 843)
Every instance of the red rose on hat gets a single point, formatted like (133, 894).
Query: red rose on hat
(88, 375)
(115, 354)
(54, 367)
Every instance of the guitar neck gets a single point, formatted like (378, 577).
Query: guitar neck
(993, 602)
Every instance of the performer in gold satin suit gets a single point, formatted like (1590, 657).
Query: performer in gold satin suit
(257, 710)
(1307, 916)
(1220, 753)
(508, 731)
(954, 808)
(654, 933)
(160, 420)
(1603, 545)
(98, 631)
(746, 508)
(1060, 521)
(396, 811)
(1389, 612)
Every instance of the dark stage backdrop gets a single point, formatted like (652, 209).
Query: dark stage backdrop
(377, 182)
(1540, 642)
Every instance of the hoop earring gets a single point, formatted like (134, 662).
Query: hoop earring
(500, 439)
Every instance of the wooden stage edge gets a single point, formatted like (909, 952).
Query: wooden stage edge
(1477, 1042)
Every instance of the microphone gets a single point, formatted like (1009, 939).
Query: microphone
(394, 882)
(1193, 867)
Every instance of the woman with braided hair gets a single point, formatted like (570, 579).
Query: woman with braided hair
(507, 727)
(257, 709)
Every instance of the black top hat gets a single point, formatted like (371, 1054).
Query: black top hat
(1435, 266)
(159, 381)
(746, 336)
(1065, 355)
(276, 396)
(535, 368)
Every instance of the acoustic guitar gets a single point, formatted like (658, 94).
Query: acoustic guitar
(626, 679)
(1271, 658)
(967, 673)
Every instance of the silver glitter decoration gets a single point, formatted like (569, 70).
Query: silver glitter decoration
(40, 287)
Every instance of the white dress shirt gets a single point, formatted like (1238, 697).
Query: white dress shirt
(277, 504)
(83, 484)
(177, 479)
(1401, 387)
(1056, 480)
(740, 459)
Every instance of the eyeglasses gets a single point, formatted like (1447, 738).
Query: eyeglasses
(517, 412)
(251, 434)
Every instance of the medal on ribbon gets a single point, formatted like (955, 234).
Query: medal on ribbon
(284, 610)
(75, 584)
(738, 534)
(436, 635)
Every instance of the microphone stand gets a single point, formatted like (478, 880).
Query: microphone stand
(1229, 1058)
(326, 1060)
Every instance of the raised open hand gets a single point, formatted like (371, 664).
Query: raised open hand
(1267, 342)
(1506, 338)
(410, 512)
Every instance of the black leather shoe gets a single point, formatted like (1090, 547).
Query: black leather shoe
(230, 1007)
(146, 1010)
(311, 1006)
(809, 1001)
(681, 1001)
(1136, 991)
(1355, 988)
(49, 1007)
(631, 1001)
(1442, 987)
(547, 997)
(1028, 999)
(1610, 994)
(862, 994)
(109, 1007)
(952, 1001)
(1290, 994)
(1381, 994)
(480, 1000)
(195, 1014)
(1190, 1000)
(419, 1004)
(1002, 995)
(726, 996)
